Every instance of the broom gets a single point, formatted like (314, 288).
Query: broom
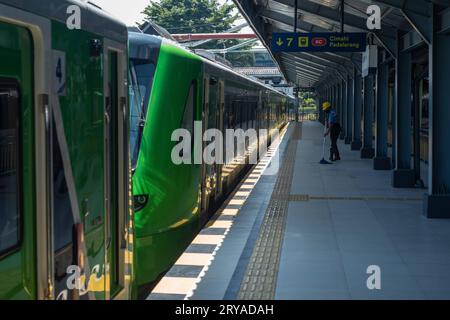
(323, 161)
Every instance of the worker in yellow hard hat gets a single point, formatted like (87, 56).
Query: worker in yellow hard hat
(333, 129)
(326, 106)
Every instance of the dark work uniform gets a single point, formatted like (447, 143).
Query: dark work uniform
(335, 131)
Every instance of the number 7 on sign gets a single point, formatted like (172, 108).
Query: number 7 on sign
(289, 40)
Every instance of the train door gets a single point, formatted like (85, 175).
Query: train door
(17, 207)
(268, 118)
(205, 113)
(213, 119)
(116, 161)
(220, 127)
(65, 251)
(111, 171)
(258, 121)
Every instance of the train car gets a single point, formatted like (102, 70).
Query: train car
(172, 88)
(293, 108)
(65, 174)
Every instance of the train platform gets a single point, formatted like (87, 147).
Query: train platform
(315, 231)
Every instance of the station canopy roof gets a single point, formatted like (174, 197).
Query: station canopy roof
(309, 70)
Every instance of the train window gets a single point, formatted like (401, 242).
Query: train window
(189, 111)
(244, 108)
(242, 115)
(141, 79)
(247, 116)
(10, 190)
(234, 115)
(239, 115)
(227, 116)
(254, 106)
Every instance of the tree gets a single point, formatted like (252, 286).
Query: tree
(308, 103)
(241, 59)
(191, 16)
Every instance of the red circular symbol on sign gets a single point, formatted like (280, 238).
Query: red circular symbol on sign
(319, 42)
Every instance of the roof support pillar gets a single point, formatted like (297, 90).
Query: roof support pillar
(357, 111)
(337, 105)
(382, 161)
(403, 175)
(333, 96)
(437, 200)
(368, 152)
(344, 111)
(350, 110)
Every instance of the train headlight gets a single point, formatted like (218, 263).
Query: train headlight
(140, 201)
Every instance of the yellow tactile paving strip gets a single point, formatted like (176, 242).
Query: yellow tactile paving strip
(259, 282)
(185, 286)
(305, 197)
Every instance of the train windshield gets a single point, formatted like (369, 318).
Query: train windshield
(141, 79)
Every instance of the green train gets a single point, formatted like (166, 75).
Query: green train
(65, 174)
(91, 204)
(173, 88)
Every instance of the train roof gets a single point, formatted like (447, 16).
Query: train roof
(291, 97)
(93, 18)
(141, 45)
(224, 68)
(135, 37)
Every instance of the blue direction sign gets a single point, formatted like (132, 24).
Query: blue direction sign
(319, 42)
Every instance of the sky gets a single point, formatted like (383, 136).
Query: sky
(129, 11)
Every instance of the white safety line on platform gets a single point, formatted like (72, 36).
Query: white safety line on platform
(186, 286)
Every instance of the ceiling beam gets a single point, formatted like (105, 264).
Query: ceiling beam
(416, 6)
(302, 73)
(303, 70)
(334, 15)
